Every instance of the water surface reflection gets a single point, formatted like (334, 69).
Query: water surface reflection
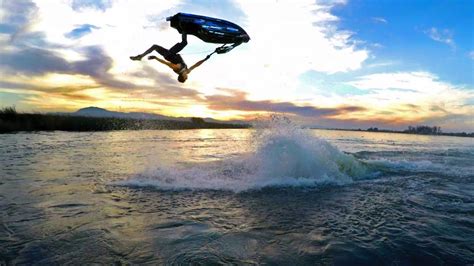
(59, 202)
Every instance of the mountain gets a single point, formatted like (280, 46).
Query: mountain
(101, 112)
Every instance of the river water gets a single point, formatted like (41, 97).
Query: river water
(273, 195)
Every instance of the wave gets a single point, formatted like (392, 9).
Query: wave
(285, 155)
(406, 166)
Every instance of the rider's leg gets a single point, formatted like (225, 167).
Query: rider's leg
(179, 46)
(162, 51)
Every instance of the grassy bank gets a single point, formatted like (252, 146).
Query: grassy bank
(12, 121)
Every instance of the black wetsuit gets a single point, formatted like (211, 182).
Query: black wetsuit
(172, 54)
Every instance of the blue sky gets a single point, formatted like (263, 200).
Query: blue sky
(327, 63)
(403, 30)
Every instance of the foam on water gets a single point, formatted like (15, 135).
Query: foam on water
(284, 155)
(420, 166)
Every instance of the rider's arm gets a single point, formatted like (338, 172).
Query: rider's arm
(171, 65)
(198, 63)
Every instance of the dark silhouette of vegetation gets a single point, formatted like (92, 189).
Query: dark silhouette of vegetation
(197, 120)
(425, 130)
(12, 121)
(8, 111)
(418, 130)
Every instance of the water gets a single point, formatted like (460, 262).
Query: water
(279, 196)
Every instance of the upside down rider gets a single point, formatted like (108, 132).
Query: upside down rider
(172, 58)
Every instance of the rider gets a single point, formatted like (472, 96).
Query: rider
(173, 59)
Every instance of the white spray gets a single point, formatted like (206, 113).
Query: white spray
(285, 155)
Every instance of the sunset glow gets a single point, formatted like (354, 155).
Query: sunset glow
(325, 63)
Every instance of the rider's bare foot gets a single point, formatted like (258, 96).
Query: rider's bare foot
(136, 58)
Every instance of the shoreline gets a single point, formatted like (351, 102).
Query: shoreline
(463, 134)
(12, 123)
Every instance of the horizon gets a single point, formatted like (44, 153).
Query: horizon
(339, 64)
(416, 129)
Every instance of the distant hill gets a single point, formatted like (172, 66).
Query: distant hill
(101, 112)
(93, 111)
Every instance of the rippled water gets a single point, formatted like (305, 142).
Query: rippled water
(277, 196)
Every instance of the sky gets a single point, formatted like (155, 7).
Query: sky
(324, 63)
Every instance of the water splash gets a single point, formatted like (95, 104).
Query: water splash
(284, 155)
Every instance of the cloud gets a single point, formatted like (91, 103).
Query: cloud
(32, 61)
(288, 39)
(237, 100)
(302, 33)
(97, 65)
(46, 68)
(17, 26)
(28, 65)
(308, 28)
(14, 85)
(471, 55)
(411, 81)
(379, 20)
(443, 36)
(102, 5)
(74, 53)
(35, 61)
(381, 64)
(223, 8)
(402, 91)
(453, 122)
(80, 31)
(17, 16)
